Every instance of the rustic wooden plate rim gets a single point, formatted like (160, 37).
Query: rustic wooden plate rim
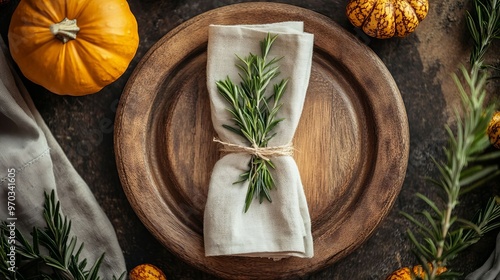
(133, 156)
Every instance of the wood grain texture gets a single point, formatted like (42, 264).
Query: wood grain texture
(352, 141)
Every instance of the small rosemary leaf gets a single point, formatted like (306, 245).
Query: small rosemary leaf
(248, 136)
(54, 263)
(244, 68)
(478, 145)
(233, 113)
(265, 45)
(274, 123)
(25, 248)
(470, 171)
(491, 214)
(267, 194)
(479, 182)
(491, 227)
(77, 255)
(431, 204)
(448, 274)
(457, 248)
(420, 250)
(93, 273)
(490, 208)
(274, 60)
(444, 180)
(69, 251)
(243, 176)
(66, 229)
(259, 168)
(82, 265)
(433, 222)
(428, 251)
(46, 240)
(260, 188)
(279, 89)
(421, 226)
(270, 72)
(451, 136)
(243, 118)
(78, 270)
(249, 197)
(477, 175)
(235, 130)
(224, 88)
(247, 60)
(122, 277)
(463, 94)
(470, 225)
(274, 112)
(271, 164)
(471, 25)
(431, 246)
(267, 180)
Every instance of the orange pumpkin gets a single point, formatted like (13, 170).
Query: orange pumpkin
(387, 18)
(73, 47)
(406, 274)
(146, 272)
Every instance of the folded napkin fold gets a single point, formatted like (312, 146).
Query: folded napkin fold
(277, 229)
(32, 157)
(490, 270)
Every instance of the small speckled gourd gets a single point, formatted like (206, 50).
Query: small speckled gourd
(405, 274)
(387, 18)
(146, 272)
(494, 130)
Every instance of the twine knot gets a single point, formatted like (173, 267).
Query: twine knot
(264, 153)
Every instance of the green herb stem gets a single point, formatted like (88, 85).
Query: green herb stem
(62, 260)
(441, 236)
(484, 26)
(255, 114)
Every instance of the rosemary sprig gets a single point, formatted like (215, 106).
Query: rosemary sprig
(254, 112)
(484, 26)
(442, 235)
(59, 259)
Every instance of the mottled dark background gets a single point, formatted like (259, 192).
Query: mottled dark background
(421, 65)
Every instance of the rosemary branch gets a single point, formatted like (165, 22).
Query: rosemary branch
(466, 167)
(63, 259)
(254, 113)
(484, 26)
(442, 235)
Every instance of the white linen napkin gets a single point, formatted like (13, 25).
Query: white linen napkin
(31, 157)
(281, 228)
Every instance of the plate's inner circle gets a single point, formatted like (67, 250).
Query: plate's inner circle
(339, 165)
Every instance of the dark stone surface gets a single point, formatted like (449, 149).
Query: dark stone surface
(420, 64)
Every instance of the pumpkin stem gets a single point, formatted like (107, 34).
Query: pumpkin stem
(65, 30)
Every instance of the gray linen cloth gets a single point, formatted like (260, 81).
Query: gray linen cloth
(27, 145)
(490, 270)
(282, 228)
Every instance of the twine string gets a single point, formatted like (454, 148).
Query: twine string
(264, 153)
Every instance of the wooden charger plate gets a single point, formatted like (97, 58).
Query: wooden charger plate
(352, 141)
